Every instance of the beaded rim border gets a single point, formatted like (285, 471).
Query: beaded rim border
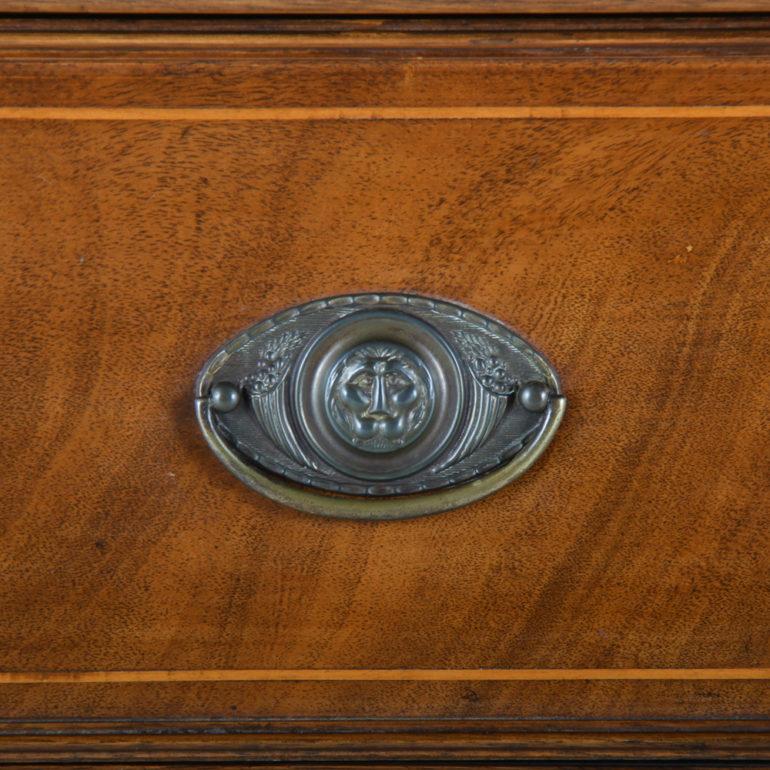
(325, 503)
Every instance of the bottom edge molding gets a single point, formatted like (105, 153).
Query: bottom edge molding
(384, 742)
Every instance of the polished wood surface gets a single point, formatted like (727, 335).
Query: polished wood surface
(383, 743)
(615, 216)
(367, 7)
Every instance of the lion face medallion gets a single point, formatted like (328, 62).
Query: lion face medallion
(380, 397)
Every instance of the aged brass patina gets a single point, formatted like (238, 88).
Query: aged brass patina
(378, 406)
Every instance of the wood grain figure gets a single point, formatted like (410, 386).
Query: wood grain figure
(602, 191)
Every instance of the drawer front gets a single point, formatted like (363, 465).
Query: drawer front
(611, 208)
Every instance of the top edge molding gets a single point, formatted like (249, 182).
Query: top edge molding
(378, 7)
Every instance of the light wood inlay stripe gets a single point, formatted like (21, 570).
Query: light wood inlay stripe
(386, 675)
(544, 112)
(363, 42)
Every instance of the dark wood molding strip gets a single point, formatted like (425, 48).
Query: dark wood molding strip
(391, 675)
(672, 25)
(701, 70)
(458, 740)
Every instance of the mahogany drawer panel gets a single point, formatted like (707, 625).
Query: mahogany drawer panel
(631, 247)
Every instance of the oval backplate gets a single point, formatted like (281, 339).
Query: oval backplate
(378, 406)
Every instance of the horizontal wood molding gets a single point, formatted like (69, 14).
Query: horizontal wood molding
(511, 27)
(692, 74)
(371, 40)
(388, 675)
(395, 740)
(381, 6)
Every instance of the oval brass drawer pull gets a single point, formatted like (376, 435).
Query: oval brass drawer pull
(378, 406)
